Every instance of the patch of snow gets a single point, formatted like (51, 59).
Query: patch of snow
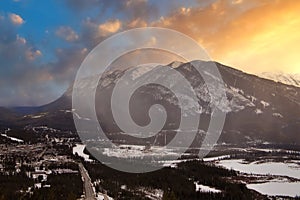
(252, 98)
(138, 151)
(37, 116)
(265, 104)
(258, 111)
(277, 115)
(123, 187)
(38, 185)
(153, 194)
(43, 129)
(205, 189)
(102, 197)
(77, 115)
(216, 158)
(175, 64)
(79, 148)
(237, 90)
(11, 138)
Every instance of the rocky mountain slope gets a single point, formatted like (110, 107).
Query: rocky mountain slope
(258, 110)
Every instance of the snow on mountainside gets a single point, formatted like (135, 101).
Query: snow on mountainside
(288, 79)
(257, 109)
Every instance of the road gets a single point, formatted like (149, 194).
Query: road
(41, 154)
(88, 188)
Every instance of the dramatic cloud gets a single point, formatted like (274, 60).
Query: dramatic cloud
(67, 33)
(250, 35)
(24, 80)
(109, 27)
(255, 36)
(16, 19)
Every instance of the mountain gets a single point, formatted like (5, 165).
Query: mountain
(7, 117)
(288, 79)
(258, 110)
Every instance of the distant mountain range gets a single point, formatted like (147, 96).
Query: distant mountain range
(259, 110)
(289, 79)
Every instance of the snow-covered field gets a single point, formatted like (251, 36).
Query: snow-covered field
(79, 150)
(137, 151)
(277, 188)
(291, 169)
(272, 187)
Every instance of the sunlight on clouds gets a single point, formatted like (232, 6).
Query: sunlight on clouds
(32, 54)
(270, 44)
(109, 27)
(237, 1)
(254, 36)
(137, 23)
(21, 40)
(16, 19)
(67, 33)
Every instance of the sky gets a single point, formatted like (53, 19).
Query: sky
(42, 43)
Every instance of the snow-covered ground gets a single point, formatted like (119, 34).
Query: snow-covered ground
(137, 151)
(173, 163)
(272, 187)
(210, 159)
(12, 138)
(206, 189)
(101, 197)
(272, 168)
(277, 188)
(79, 150)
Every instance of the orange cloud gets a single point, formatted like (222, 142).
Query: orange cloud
(67, 33)
(109, 27)
(255, 36)
(16, 19)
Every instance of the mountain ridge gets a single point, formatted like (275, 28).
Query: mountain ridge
(259, 109)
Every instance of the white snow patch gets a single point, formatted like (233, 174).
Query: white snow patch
(102, 197)
(265, 104)
(252, 98)
(205, 189)
(123, 187)
(79, 148)
(258, 111)
(216, 158)
(11, 138)
(277, 115)
(138, 151)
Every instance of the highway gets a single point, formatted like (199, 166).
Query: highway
(88, 188)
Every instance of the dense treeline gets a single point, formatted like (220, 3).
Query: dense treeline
(63, 186)
(177, 183)
(12, 185)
